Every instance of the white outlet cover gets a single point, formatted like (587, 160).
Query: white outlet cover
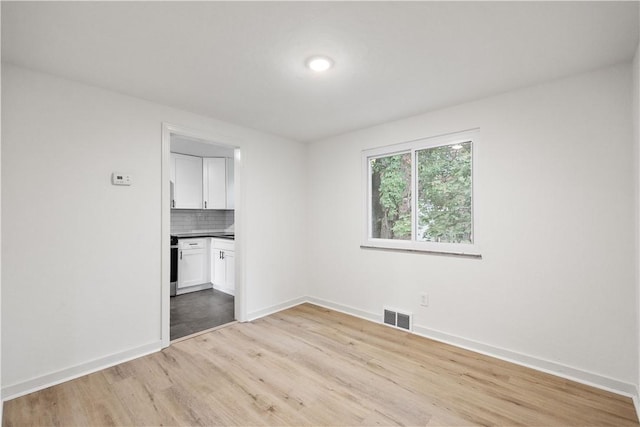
(424, 300)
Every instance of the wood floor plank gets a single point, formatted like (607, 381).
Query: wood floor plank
(312, 366)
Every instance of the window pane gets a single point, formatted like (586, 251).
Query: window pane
(444, 194)
(391, 197)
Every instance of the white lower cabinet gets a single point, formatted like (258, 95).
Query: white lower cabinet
(230, 271)
(223, 265)
(193, 262)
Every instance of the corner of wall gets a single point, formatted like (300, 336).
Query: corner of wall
(1, 399)
(636, 403)
(636, 143)
(307, 218)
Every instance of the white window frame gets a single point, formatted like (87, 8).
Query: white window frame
(464, 249)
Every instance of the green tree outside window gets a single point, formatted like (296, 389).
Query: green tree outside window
(444, 195)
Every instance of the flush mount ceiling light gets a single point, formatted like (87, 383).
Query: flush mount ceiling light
(319, 63)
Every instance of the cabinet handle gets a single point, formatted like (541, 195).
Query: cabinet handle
(205, 204)
(221, 254)
(173, 203)
(180, 254)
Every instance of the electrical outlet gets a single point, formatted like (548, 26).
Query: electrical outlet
(424, 299)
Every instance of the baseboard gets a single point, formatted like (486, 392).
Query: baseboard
(346, 309)
(574, 374)
(539, 364)
(275, 308)
(224, 290)
(194, 288)
(636, 404)
(554, 368)
(48, 380)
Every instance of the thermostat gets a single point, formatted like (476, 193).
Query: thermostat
(120, 179)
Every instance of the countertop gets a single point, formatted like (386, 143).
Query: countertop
(217, 234)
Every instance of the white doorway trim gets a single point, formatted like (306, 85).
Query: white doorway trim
(165, 223)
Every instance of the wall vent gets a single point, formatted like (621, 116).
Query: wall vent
(398, 319)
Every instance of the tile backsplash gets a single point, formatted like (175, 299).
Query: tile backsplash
(185, 220)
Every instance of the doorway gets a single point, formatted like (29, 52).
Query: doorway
(201, 284)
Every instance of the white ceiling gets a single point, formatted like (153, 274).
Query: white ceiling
(243, 62)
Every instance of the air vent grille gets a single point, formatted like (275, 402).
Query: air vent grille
(404, 321)
(390, 317)
(397, 319)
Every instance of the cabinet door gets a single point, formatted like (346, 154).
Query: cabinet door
(214, 183)
(187, 188)
(219, 269)
(192, 267)
(230, 267)
(223, 271)
(172, 180)
(230, 184)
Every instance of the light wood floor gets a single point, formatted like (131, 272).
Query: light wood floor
(312, 366)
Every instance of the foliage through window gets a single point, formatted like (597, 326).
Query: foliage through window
(391, 196)
(420, 194)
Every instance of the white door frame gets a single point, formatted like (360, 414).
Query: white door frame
(165, 223)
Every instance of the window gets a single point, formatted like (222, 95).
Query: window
(420, 195)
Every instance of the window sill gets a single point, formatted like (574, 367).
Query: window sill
(425, 251)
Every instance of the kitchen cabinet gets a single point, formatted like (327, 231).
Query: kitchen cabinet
(230, 184)
(201, 183)
(186, 181)
(193, 262)
(214, 183)
(223, 265)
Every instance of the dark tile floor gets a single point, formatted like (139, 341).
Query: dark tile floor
(197, 311)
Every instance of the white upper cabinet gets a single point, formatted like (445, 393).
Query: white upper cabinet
(201, 183)
(230, 184)
(186, 181)
(214, 183)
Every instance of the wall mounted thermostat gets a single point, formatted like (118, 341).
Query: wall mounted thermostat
(120, 179)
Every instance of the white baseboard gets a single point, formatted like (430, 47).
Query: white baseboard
(636, 404)
(48, 380)
(194, 288)
(227, 291)
(20, 389)
(275, 308)
(554, 368)
(345, 309)
(539, 364)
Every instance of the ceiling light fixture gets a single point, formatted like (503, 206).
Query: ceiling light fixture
(319, 63)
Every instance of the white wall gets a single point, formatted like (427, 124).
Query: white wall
(636, 138)
(81, 258)
(1, 399)
(555, 199)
